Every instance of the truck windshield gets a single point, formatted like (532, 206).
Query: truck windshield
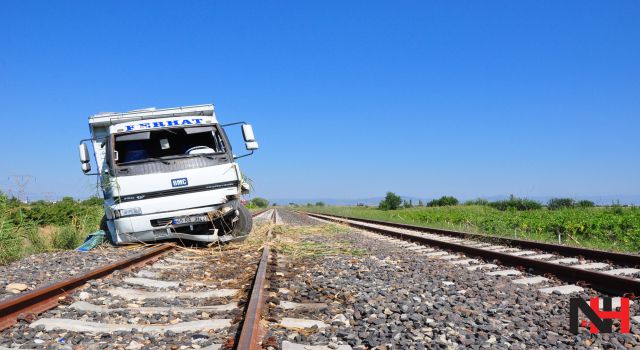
(162, 144)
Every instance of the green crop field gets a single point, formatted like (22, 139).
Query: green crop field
(610, 228)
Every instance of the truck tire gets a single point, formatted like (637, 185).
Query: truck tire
(242, 227)
(104, 227)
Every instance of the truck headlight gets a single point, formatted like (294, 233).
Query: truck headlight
(121, 213)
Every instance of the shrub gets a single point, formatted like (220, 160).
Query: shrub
(479, 201)
(514, 203)
(21, 225)
(319, 204)
(585, 204)
(260, 202)
(560, 203)
(59, 214)
(93, 201)
(390, 202)
(443, 201)
(616, 208)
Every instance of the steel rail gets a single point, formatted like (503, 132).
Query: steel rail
(47, 297)
(611, 284)
(250, 333)
(618, 258)
(258, 212)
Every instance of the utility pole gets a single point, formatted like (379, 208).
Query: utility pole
(21, 182)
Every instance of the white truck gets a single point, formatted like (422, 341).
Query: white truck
(168, 174)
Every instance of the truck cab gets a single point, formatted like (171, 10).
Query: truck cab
(168, 174)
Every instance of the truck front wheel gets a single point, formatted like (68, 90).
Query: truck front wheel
(242, 227)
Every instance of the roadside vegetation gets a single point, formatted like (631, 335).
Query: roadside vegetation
(257, 203)
(563, 220)
(44, 226)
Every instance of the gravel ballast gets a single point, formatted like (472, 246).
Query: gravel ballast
(41, 269)
(220, 277)
(395, 298)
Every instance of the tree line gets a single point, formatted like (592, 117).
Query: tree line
(392, 202)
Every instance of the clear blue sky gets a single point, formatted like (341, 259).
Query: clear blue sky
(348, 99)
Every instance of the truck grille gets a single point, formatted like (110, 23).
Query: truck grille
(175, 191)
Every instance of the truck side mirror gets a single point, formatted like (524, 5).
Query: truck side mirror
(249, 138)
(247, 133)
(85, 160)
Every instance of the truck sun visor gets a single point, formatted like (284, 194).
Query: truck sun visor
(135, 136)
(198, 129)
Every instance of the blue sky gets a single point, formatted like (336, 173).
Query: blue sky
(348, 98)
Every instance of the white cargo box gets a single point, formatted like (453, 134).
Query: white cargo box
(111, 118)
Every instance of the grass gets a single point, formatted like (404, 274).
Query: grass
(614, 228)
(11, 244)
(28, 229)
(309, 241)
(304, 241)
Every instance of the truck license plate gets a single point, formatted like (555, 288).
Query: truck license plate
(190, 219)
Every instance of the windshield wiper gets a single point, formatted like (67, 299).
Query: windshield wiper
(146, 160)
(209, 155)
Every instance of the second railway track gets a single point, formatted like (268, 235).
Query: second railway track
(610, 272)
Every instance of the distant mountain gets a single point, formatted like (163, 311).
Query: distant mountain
(599, 200)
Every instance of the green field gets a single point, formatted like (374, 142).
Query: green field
(611, 228)
(39, 227)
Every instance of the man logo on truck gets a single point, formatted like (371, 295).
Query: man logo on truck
(179, 182)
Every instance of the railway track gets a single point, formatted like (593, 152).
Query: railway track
(163, 297)
(362, 287)
(613, 273)
(264, 299)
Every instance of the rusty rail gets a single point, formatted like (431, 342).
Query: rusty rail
(618, 258)
(47, 297)
(615, 285)
(250, 334)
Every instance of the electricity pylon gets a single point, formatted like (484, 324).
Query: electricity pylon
(21, 182)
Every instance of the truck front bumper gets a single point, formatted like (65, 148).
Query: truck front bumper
(157, 227)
